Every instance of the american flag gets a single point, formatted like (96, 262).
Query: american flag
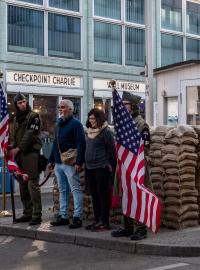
(138, 202)
(4, 118)
(4, 136)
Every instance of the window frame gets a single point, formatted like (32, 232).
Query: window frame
(123, 23)
(184, 34)
(46, 9)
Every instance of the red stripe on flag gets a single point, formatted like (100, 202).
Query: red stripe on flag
(151, 211)
(4, 127)
(146, 207)
(140, 167)
(130, 198)
(158, 211)
(132, 164)
(119, 172)
(139, 203)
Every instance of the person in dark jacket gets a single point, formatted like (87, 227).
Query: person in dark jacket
(100, 159)
(132, 228)
(69, 135)
(26, 147)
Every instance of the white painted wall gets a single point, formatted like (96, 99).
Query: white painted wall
(172, 83)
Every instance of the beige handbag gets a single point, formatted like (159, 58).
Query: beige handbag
(69, 157)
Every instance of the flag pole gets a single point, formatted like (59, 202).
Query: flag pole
(3, 213)
(3, 184)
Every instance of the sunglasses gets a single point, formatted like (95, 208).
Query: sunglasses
(61, 107)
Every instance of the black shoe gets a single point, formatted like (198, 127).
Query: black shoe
(101, 228)
(35, 221)
(138, 236)
(60, 221)
(91, 226)
(76, 223)
(23, 219)
(120, 233)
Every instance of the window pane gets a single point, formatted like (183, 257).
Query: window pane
(100, 104)
(171, 50)
(135, 11)
(38, 2)
(193, 49)
(64, 36)
(193, 18)
(46, 107)
(172, 111)
(25, 30)
(135, 47)
(65, 4)
(107, 43)
(77, 106)
(108, 8)
(171, 14)
(193, 105)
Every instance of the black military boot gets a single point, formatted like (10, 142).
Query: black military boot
(139, 234)
(23, 219)
(127, 231)
(35, 221)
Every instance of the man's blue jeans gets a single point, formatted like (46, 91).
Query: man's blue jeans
(69, 180)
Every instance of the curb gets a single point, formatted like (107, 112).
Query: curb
(121, 245)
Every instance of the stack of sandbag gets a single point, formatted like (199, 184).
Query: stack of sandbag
(55, 191)
(197, 129)
(179, 162)
(156, 169)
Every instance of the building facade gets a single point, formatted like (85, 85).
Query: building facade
(54, 49)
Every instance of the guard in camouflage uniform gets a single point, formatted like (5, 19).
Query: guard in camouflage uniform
(26, 147)
(132, 104)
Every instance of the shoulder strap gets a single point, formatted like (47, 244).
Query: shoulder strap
(57, 140)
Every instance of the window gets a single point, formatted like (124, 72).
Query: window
(193, 18)
(193, 49)
(65, 4)
(25, 30)
(77, 106)
(64, 36)
(38, 2)
(172, 111)
(171, 49)
(107, 43)
(193, 105)
(135, 47)
(135, 11)
(108, 8)
(104, 104)
(171, 14)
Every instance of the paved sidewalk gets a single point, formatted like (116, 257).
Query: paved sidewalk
(184, 243)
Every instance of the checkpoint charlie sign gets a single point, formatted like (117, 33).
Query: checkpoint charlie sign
(16, 77)
(101, 84)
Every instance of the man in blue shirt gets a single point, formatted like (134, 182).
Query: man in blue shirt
(69, 135)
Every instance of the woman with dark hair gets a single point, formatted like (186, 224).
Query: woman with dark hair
(100, 159)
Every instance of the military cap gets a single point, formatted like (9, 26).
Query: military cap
(133, 99)
(19, 97)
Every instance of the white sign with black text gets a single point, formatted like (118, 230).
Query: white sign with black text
(42, 79)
